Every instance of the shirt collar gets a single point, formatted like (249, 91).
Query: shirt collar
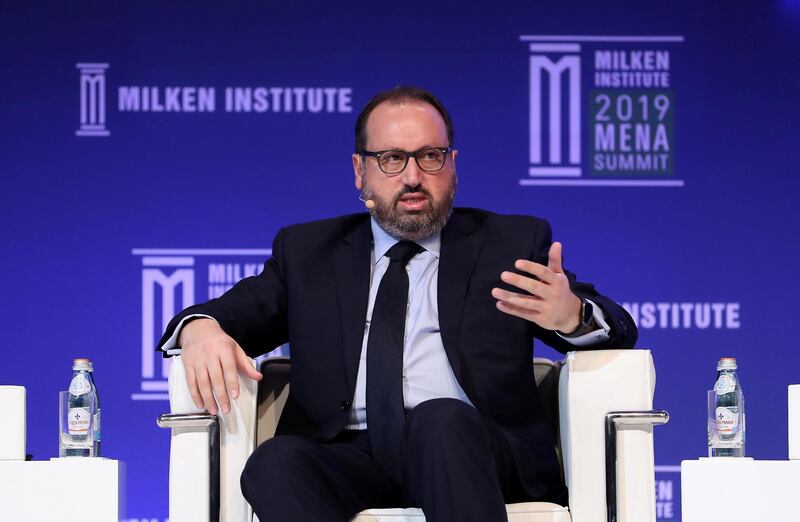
(382, 242)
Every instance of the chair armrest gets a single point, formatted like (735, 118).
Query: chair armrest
(592, 384)
(194, 460)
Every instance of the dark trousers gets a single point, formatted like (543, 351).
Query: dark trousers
(457, 465)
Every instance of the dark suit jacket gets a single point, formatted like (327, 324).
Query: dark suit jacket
(313, 294)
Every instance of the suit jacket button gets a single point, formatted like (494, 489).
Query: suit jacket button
(344, 405)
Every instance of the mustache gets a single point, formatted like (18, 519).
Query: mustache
(410, 190)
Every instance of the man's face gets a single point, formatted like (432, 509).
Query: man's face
(413, 204)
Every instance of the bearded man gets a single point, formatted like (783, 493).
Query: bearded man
(411, 330)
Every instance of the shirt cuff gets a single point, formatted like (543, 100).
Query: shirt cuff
(598, 336)
(171, 345)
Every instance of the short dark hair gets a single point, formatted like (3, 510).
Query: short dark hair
(399, 95)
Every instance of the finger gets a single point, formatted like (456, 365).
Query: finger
(191, 383)
(204, 385)
(522, 313)
(530, 285)
(245, 365)
(218, 384)
(554, 258)
(542, 272)
(518, 300)
(229, 374)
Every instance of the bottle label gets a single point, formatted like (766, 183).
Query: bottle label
(78, 421)
(725, 384)
(79, 385)
(727, 421)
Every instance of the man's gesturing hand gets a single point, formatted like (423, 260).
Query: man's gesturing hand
(548, 301)
(212, 360)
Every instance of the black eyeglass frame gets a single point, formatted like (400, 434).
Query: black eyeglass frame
(407, 154)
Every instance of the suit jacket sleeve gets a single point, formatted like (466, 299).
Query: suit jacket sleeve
(253, 312)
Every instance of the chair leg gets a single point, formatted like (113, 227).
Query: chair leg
(211, 423)
(614, 420)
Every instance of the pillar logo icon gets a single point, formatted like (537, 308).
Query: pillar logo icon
(173, 279)
(601, 111)
(93, 100)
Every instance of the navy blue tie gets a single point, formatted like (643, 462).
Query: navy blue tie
(385, 408)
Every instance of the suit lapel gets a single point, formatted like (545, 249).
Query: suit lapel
(352, 273)
(461, 243)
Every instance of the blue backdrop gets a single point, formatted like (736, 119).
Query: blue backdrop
(149, 151)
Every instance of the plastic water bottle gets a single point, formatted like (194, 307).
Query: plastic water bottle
(84, 403)
(726, 418)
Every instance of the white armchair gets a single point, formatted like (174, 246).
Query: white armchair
(601, 405)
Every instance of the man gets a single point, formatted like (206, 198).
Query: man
(411, 332)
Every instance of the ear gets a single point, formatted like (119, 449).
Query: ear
(358, 170)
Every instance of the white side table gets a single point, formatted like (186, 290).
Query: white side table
(740, 490)
(68, 489)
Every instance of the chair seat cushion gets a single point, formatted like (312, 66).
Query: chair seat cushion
(522, 512)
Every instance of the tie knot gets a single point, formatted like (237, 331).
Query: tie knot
(403, 251)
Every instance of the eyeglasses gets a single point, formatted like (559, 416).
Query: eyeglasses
(393, 162)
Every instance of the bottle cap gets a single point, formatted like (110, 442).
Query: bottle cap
(726, 363)
(81, 363)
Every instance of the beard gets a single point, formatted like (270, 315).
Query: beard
(410, 225)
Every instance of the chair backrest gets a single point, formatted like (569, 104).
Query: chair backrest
(274, 388)
(546, 373)
(272, 392)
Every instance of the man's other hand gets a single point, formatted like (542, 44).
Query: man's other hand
(212, 361)
(547, 301)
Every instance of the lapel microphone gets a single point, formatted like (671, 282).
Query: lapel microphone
(367, 202)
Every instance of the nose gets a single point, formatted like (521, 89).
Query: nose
(412, 174)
